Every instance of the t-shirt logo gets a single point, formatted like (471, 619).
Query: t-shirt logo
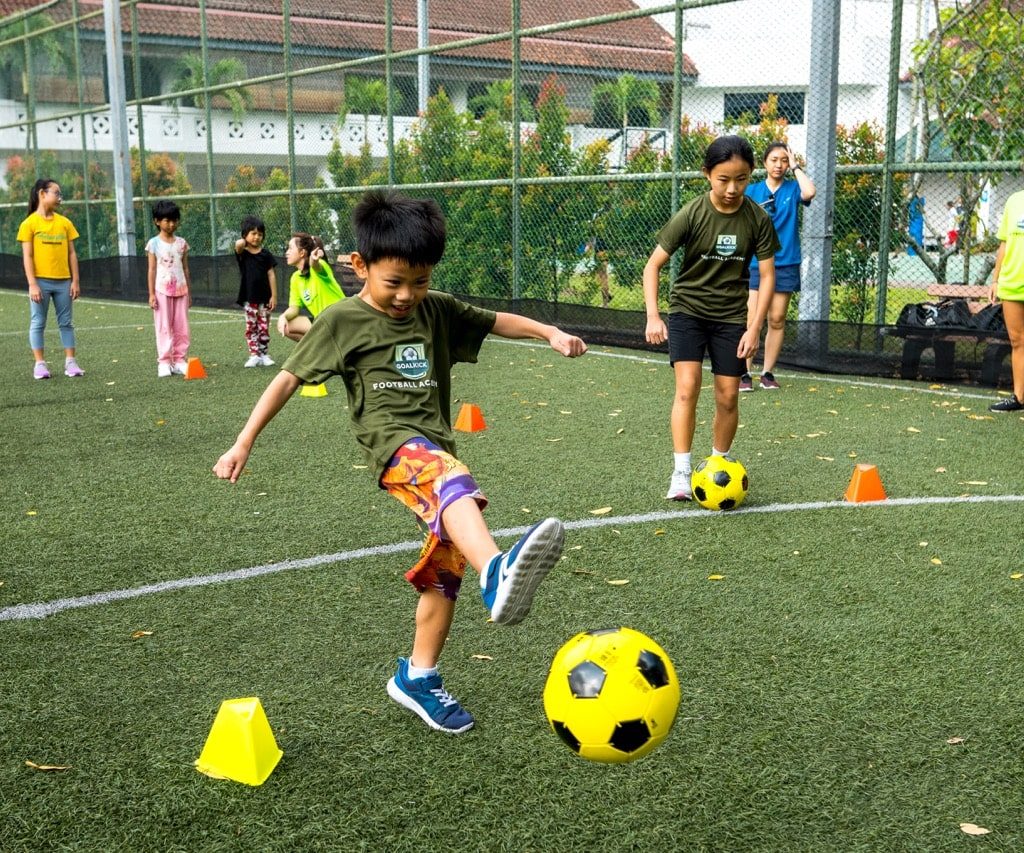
(411, 361)
(726, 245)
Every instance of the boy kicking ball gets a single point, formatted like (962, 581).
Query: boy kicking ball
(394, 347)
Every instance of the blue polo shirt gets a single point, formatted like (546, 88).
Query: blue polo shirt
(784, 218)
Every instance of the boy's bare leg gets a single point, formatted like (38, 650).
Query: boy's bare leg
(433, 622)
(465, 525)
(509, 582)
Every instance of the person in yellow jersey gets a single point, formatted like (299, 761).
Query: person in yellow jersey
(312, 288)
(1008, 288)
(51, 267)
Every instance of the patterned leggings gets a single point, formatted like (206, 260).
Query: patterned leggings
(257, 327)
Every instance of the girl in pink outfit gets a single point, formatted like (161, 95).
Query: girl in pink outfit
(169, 295)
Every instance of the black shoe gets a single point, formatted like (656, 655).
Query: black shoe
(1010, 404)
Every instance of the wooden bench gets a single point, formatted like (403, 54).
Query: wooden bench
(943, 341)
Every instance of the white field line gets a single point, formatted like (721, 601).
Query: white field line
(951, 391)
(40, 610)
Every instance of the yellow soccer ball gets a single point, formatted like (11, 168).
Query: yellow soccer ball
(611, 695)
(719, 482)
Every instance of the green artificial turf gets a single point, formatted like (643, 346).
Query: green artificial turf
(824, 673)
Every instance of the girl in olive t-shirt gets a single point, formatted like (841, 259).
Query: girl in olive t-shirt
(719, 233)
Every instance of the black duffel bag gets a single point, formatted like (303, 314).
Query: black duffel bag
(990, 319)
(949, 313)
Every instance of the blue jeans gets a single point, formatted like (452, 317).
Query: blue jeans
(60, 291)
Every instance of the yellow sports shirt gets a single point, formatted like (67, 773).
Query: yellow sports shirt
(50, 239)
(1011, 230)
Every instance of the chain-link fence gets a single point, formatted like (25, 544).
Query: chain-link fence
(558, 138)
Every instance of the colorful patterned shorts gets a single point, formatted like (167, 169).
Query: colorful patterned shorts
(427, 480)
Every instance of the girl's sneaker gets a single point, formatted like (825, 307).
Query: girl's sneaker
(41, 371)
(71, 368)
(768, 381)
(679, 488)
(512, 577)
(179, 368)
(266, 361)
(1010, 404)
(163, 369)
(253, 361)
(746, 382)
(428, 700)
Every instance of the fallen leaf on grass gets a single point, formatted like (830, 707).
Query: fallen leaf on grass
(138, 635)
(582, 572)
(935, 387)
(46, 767)
(936, 561)
(360, 467)
(716, 577)
(617, 582)
(31, 512)
(576, 548)
(1016, 576)
(659, 532)
(980, 418)
(940, 470)
(851, 455)
(481, 657)
(552, 440)
(913, 429)
(620, 430)
(831, 412)
(973, 483)
(973, 829)
(825, 458)
(953, 741)
(604, 510)
(564, 412)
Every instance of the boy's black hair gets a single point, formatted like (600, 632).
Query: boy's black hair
(253, 223)
(165, 209)
(725, 148)
(389, 225)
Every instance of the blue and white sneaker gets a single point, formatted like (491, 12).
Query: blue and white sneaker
(512, 577)
(427, 699)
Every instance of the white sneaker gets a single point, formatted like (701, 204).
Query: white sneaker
(679, 489)
(163, 369)
(179, 368)
(266, 361)
(253, 361)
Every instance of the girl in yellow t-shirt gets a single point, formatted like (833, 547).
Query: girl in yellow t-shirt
(1008, 288)
(312, 287)
(51, 267)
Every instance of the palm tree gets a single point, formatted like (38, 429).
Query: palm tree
(12, 57)
(498, 99)
(192, 76)
(366, 97)
(629, 98)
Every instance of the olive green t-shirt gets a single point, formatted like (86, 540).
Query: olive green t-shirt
(397, 372)
(714, 275)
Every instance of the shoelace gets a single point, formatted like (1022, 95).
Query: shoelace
(443, 696)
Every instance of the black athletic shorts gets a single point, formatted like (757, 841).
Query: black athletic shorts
(689, 338)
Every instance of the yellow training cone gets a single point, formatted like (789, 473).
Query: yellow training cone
(313, 390)
(240, 746)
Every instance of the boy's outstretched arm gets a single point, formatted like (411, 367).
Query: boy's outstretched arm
(517, 326)
(281, 388)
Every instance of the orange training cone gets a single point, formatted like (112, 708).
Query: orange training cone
(470, 418)
(865, 485)
(195, 369)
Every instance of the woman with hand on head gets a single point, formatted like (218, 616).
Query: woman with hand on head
(781, 200)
